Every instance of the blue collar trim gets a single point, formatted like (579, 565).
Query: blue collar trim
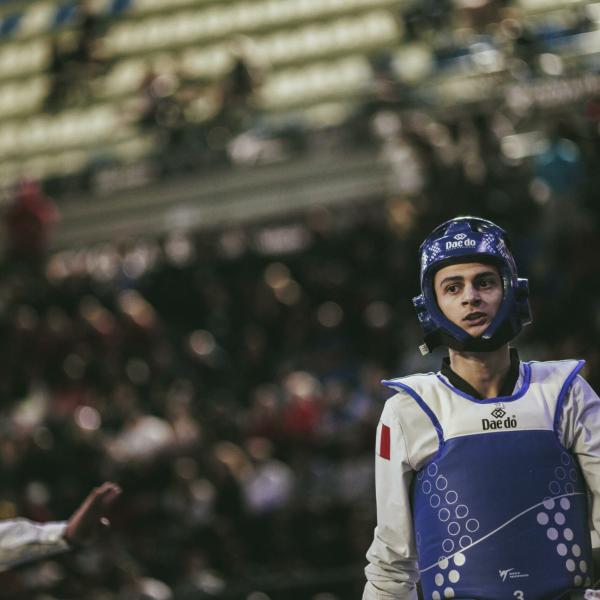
(518, 394)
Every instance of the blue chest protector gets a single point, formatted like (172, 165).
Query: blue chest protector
(501, 511)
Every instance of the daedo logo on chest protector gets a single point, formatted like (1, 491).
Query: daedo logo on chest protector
(500, 421)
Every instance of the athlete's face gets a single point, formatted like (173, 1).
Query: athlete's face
(469, 295)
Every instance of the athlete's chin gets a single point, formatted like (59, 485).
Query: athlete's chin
(477, 330)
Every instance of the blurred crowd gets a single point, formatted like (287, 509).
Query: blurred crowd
(226, 393)
(229, 379)
(193, 123)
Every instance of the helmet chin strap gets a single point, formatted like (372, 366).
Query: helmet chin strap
(502, 336)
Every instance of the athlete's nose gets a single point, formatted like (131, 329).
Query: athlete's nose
(471, 296)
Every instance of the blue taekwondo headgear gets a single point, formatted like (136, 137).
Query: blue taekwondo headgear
(470, 239)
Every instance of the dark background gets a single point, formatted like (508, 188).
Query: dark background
(204, 315)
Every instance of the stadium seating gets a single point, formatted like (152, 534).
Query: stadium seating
(308, 53)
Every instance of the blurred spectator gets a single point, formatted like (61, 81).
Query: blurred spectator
(74, 65)
(559, 177)
(161, 112)
(88, 49)
(158, 104)
(29, 223)
(238, 87)
(59, 78)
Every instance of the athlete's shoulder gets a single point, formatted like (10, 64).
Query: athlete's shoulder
(408, 410)
(410, 382)
(408, 389)
(551, 369)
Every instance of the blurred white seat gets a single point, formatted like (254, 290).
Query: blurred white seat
(125, 77)
(8, 137)
(546, 5)
(306, 84)
(37, 18)
(217, 21)
(210, 61)
(22, 97)
(20, 58)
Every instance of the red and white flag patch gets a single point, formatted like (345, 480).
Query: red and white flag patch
(384, 442)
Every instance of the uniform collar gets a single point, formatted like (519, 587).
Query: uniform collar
(508, 385)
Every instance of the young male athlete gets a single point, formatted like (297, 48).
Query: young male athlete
(484, 469)
(22, 540)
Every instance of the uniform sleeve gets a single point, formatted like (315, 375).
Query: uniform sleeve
(22, 540)
(392, 571)
(580, 432)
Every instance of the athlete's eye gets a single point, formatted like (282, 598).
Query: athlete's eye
(451, 289)
(487, 282)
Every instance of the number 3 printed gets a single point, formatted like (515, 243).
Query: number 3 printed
(519, 595)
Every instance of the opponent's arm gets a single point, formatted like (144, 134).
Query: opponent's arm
(22, 540)
(392, 571)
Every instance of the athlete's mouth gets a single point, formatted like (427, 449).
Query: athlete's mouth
(475, 316)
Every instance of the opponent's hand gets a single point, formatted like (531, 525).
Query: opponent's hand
(92, 515)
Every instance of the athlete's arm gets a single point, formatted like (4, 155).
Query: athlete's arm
(580, 432)
(392, 571)
(23, 541)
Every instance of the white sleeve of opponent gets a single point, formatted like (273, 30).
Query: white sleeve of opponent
(580, 432)
(392, 571)
(22, 540)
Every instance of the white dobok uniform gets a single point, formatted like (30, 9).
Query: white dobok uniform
(22, 541)
(487, 499)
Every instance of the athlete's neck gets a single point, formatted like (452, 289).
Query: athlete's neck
(485, 371)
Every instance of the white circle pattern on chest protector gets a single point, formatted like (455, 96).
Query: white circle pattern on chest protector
(441, 483)
(465, 541)
(542, 518)
(453, 576)
(451, 497)
(454, 528)
(444, 515)
(432, 481)
(556, 512)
